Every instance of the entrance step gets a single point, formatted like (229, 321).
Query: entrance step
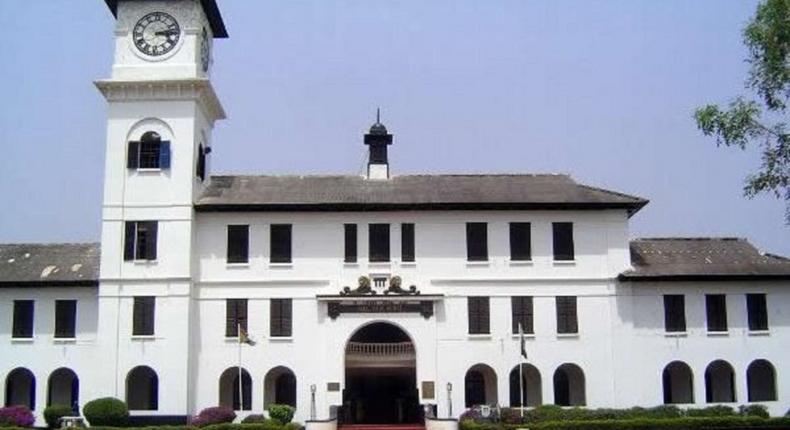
(381, 427)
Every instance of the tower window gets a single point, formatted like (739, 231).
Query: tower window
(150, 152)
(200, 169)
(140, 240)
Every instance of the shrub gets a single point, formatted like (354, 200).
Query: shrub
(282, 413)
(711, 411)
(106, 411)
(293, 426)
(53, 414)
(254, 419)
(214, 415)
(16, 416)
(754, 411)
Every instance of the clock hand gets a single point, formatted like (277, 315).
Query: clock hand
(165, 32)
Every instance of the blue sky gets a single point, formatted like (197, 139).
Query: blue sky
(603, 90)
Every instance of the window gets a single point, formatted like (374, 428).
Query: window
(143, 316)
(151, 152)
(716, 309)
(563, 241)
(65, 318)
(280, 243)
(235, 316)
(238, 243)
(350, 231)
(23, 319)
(567, 322)
(407, 242)
(521, 310)
(379, 242)
(478, 315)
(674, 313)
(476, 241)
(758, 312)
(520, 241)
(200, 169)
(280, 321)
(140, 240)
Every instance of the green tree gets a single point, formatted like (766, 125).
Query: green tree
(761, 121)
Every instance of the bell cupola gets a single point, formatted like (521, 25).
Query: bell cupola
(377, 140)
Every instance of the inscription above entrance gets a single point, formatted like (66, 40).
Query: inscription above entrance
(423, 307)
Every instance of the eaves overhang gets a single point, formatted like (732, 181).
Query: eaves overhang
(209, 7)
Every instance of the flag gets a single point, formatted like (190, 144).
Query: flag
(523, 341)
(244, 337)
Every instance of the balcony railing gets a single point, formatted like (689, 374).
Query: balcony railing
(384, 350)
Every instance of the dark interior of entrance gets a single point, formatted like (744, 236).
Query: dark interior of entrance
(381, 382)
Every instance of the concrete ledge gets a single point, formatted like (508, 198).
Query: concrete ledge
(330, 424)
(441, 424)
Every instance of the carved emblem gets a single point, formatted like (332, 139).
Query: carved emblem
(395, 288)
(362, 290)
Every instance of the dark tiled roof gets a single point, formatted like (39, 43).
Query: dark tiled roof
(66, 264)
(702, 259)
(212, 13)
(415, 192)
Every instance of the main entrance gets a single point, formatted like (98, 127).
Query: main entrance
(381, 379)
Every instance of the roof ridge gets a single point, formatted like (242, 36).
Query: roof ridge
(690, 238)
(340, 175)
(48, 243)
(614, 193)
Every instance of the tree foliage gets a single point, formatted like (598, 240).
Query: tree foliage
(763, 121)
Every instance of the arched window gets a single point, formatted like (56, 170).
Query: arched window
(64, 389)
(480, 386)
(20, 388)
(530, 384)
(229, 389)
(200, 169)
(719, 382)
(761, 381)
(678, 382)
(142, 389)
(279, 387)
(150, 152)
(569, 389)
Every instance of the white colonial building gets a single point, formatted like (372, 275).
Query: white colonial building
(367, 297)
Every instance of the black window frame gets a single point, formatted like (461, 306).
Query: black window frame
(235, 315)
(144, 316)
(65, 319)
(379, 243)
(567, 314)
(477, 241)
(522, 310)
(478, 315)
(520, 241)
(139, 247)
(150, 152)
(23, 319)
(674, 313)
(281, 317)
(563, 246)
(407, 242)
(281, 243)
(350, 251)
(757, 311)
(716, 312)
(238, 244)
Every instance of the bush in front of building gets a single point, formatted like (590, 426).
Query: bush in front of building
(282, 413)
(255, 419)
(682, 423)
(214, 415)
(16, 416)
(53, 414)
(106, 411)
(753, 411)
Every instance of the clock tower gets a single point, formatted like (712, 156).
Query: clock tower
(162, 108)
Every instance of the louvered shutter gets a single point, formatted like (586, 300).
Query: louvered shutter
(563, 241)
(129, 239)
(164, 154)
(138, 317)
(150, 252)
(566, 315)
(241, 313)
(275, 318)
(23, 319)
(350, 233)
(280, 243)
(485, 316)
(473, 315)
(230, 318)
(65, 313)
(477, 241)
(407, 242)
(132, 155)
(287, 320)
(520, 241)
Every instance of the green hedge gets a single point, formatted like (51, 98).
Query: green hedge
(272, 425)
(685, 423)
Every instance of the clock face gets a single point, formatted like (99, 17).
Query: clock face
(205, 50)
(156, 34)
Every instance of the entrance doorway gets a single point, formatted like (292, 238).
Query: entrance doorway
(381, 378)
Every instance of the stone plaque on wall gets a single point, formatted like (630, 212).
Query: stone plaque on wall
(428, 390)
(333, 386)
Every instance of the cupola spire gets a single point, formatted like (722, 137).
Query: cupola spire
(377, 140)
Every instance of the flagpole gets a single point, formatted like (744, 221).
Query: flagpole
(241, 381)
(521, 368)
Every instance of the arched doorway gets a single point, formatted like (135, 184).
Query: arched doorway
(381, 378)
(20, 388)
(761, 381)
(569, 389)
(480, 386)
(720, 382)
(678, 382)
(531, 386)
(64, 389)
(279, 387)
(229, 389)
(142, 389)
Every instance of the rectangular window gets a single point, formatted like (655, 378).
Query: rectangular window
(567, 321)
(520, 241)
(143, 316)
(476, 241)
(716, 309)
(280, 321)
(65, 318)
(521, 311)
(280, 243)
(23, 319)
(407, 242)
(758, 312)
(674, 313)
(235, 316)
(379, 242)
(350, 231)
(148, 154)
(238, 243)
(563, 241)
(478, 315)
(140, 240)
